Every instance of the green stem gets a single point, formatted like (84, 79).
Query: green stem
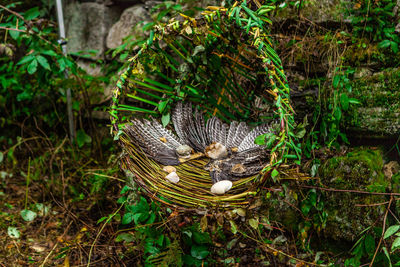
(27, 183)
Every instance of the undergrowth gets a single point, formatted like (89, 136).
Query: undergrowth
(67, 202)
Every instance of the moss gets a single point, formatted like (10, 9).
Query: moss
(350, 213)
(377, 115)
(378, 90)
(360, 168)
(280, 207)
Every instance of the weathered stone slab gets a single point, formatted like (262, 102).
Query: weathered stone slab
(349, 213)
(378, 114)
(87, 25)
(129, 23)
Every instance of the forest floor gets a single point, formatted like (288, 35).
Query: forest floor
(55, 200)
(63, 229)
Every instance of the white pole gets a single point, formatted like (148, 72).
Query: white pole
(63, 44)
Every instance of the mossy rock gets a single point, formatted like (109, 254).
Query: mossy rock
(378, 115)
(280, 206)
(349, 213)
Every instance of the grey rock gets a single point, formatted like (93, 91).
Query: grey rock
(378, 114)
(87, 25)
(362, 72)
(91, 68)
(318, 11)
(129, 23)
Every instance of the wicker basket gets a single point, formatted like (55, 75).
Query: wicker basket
(222, 62)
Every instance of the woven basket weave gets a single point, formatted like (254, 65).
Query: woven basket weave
(224, 63)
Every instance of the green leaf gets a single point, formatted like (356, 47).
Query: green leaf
(43, 62)
(344, 101)
(274, 173)
(14, 34)
(28, 215)
(25, 59)
(32, 67)
(300, 134)
(61, 64)
(126, 237)
(199, 252)
(82, 138)
(260, 140)
(337, 113)
(396, 244)
(253, 223)
(394, 46)
(165, 119)
(162, 105)
(1, 157)
(201, 238)
(160, 240)
(32, 13)
(384, 44)
(387, 255)
(336, 81)
(13, 232)
(49, 53)
(391, 230)
(127, 218)
(233, 227)
(198, 49)
(102, 219)
(369, 244)
(354, 101)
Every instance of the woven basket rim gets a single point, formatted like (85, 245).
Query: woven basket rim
(282, 95)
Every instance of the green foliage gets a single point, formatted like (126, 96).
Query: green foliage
(156, 245)
(331, 108)
(31, 69)
(376, 21)
(366, 247)
(199, 243)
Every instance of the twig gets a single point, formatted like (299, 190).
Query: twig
(383, 231)
(14, 13)
(12, 29)
(27, 183)
(55, 246)
(350, 191)
(279, 251)
(101, 230)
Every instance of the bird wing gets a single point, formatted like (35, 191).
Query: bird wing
(236, 133)
(181, 116)
(248, 141)
(190, 128)
(217, 131)
(196, 132)
(153, 143)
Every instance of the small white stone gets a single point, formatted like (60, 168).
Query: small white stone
(221, 187)
(184, 150)
(172, 177)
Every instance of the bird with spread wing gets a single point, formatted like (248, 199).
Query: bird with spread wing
(230, 148)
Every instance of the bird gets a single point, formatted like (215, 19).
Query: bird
(230, 148)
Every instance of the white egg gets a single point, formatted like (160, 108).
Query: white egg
(221, 187)
(172, 177)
